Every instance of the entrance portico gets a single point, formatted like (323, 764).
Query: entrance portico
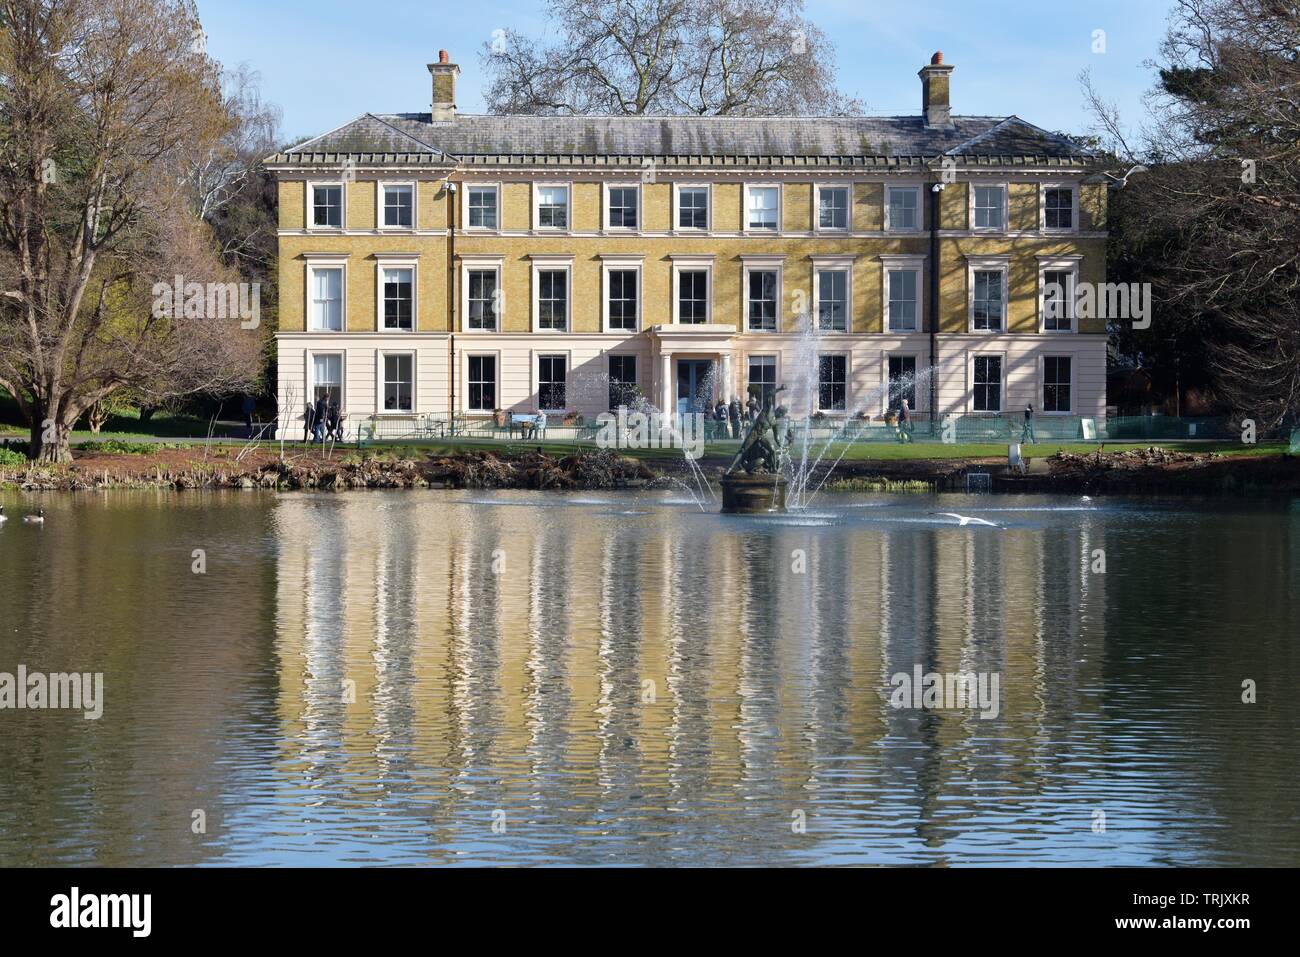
(698, 358)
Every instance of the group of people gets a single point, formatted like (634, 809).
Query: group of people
(323, 421)
(729, 420)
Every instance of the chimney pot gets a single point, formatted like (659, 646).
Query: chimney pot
(937, 59)
(443, 57)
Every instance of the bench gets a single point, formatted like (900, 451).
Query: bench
(529, 426)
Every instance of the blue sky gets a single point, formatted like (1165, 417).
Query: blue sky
(327, 61)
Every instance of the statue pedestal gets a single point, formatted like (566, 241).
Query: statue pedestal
(744, 494)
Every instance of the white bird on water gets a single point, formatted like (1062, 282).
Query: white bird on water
(967, 520)
(3, 517)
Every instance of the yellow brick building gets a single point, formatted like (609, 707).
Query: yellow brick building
(443, 262)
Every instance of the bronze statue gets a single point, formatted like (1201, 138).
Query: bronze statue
(760, 451)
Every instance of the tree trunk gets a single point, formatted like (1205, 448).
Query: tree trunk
(51, 452)
(97, 416)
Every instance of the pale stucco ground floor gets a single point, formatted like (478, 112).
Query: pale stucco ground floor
(675, 368)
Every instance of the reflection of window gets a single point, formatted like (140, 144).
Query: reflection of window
(398, 298)
(327, 206)
(622, 380)
(902, 299)
(482, 207)
(988, 383)
(1058, 300)
(482, 383)
(693, 207)
(552, 207)
(327, 377)
(833, 207)
(832, 383)
(622, 207)
(762, 373)
(399, 383)
(762, 300)
(903, 208)
(552, 298)
(764, 205)
(482, 299)
(327, 299)
(988, 207)
(551, 377)
(987, 300)
(833, 300)
(622, 298)
(1058, 208)
(399, 206)
(692, 296)
(902, 381)
(1056, 384)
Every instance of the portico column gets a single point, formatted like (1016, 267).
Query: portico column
(728, 384)
(666, 403)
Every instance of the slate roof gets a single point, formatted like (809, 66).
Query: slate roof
(472, 139)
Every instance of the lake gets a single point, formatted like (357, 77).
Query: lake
(459, 677)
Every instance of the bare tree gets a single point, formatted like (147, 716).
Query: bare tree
(104, 106)
(661, 57)
(1213, 224)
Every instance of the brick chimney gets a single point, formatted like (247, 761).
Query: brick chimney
(935, 85)
(444, 88)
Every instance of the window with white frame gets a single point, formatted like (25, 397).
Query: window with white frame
(553, 299)
(1056, 384)
(903, 208)
(832, 382)
(327, 377)
(693, 207)
(763, 208)
(481, 207)
(623, 300)
(623, 207)
(832, 305)
(693, 296)
(762, 299)
(552, 380)
(481, 300)
(988, 298)
(990, 204)
(326, 284)
(399, 298)
(987, 384)
(1058, 207)
(327, 206)
(1058, 299)
(622, 380)
(833, 207)
(552, 207)
(399, 382)
(762, 375)
(903, 303)
(902, 382)
(481, 382)
(399, 207)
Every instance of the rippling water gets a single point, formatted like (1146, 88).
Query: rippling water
(458, 677)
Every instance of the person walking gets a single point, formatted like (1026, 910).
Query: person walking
(733, 410)
(308, 423)
(322, 417)
(1027, 433)
(249, 405)
(904, 423)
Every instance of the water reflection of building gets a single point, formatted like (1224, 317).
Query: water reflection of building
(593, 674)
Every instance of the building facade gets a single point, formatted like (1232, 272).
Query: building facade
(443, 263)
